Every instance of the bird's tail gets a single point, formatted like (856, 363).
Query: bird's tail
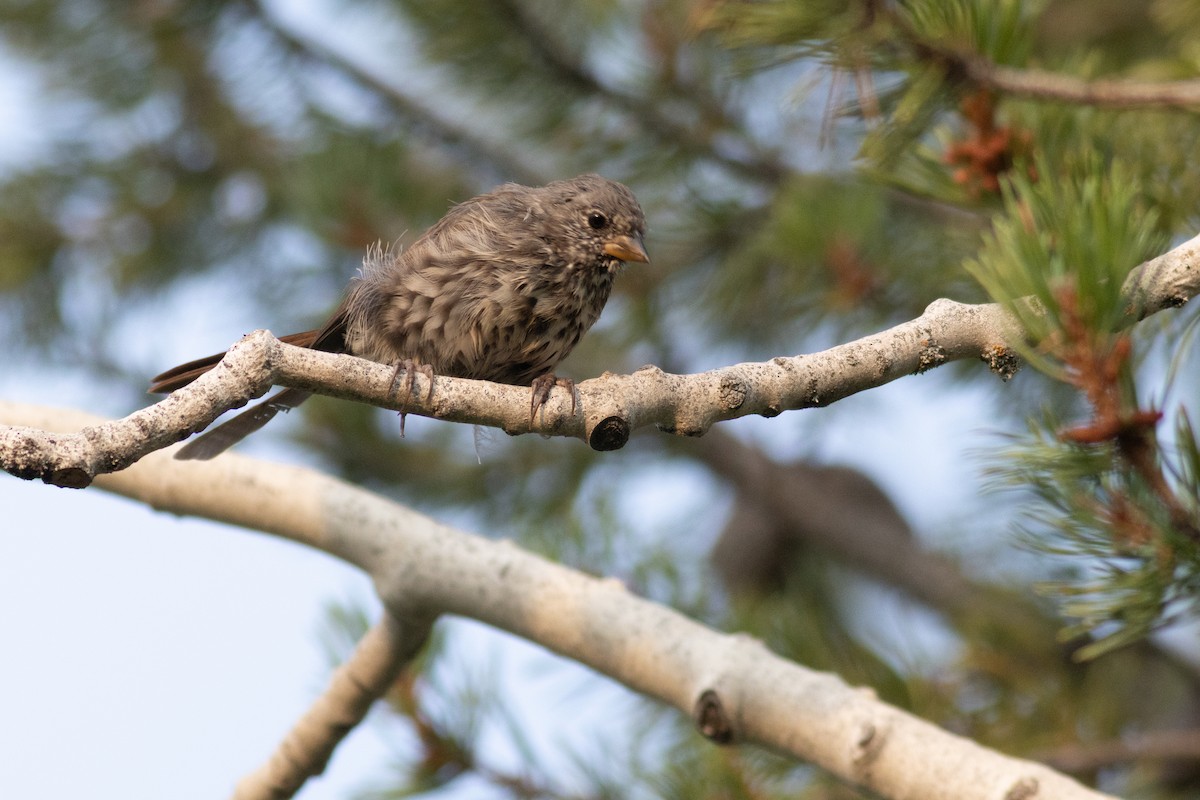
(182, 375)
(212, 443)
(216, 441)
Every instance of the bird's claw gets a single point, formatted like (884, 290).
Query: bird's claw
(540, 392)
(411, 368)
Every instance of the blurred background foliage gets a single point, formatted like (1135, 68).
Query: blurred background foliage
(812, 172)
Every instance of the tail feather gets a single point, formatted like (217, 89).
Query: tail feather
(182, 375)
(330, 338)
(213, 442)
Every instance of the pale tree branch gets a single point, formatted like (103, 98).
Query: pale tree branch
(606, 410)
(354, 687)
(731, 685)
(1168, 281)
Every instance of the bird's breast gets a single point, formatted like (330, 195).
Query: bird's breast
(509, 327)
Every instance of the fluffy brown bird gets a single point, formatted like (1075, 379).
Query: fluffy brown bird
(500, 289)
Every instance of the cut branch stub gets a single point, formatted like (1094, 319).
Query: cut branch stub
(612, 433)
(712, 721)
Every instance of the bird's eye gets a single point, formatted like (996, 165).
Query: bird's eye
(597, 220)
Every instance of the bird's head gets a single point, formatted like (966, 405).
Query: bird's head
(597, 220)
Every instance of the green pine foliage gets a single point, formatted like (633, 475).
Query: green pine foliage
(1073, 226)
(1058, 261)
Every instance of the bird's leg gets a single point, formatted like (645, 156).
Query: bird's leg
(410, 368)
(540, 392)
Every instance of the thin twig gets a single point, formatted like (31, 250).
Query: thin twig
(1039, 84)
(645, 112)
(354, 687)
(422, 116)
(1182, 745)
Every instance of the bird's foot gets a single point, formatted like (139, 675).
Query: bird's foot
(540, 392)
(411, 368)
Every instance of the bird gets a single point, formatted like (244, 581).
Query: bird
(500, 289)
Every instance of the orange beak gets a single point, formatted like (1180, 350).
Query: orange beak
(627, 248)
